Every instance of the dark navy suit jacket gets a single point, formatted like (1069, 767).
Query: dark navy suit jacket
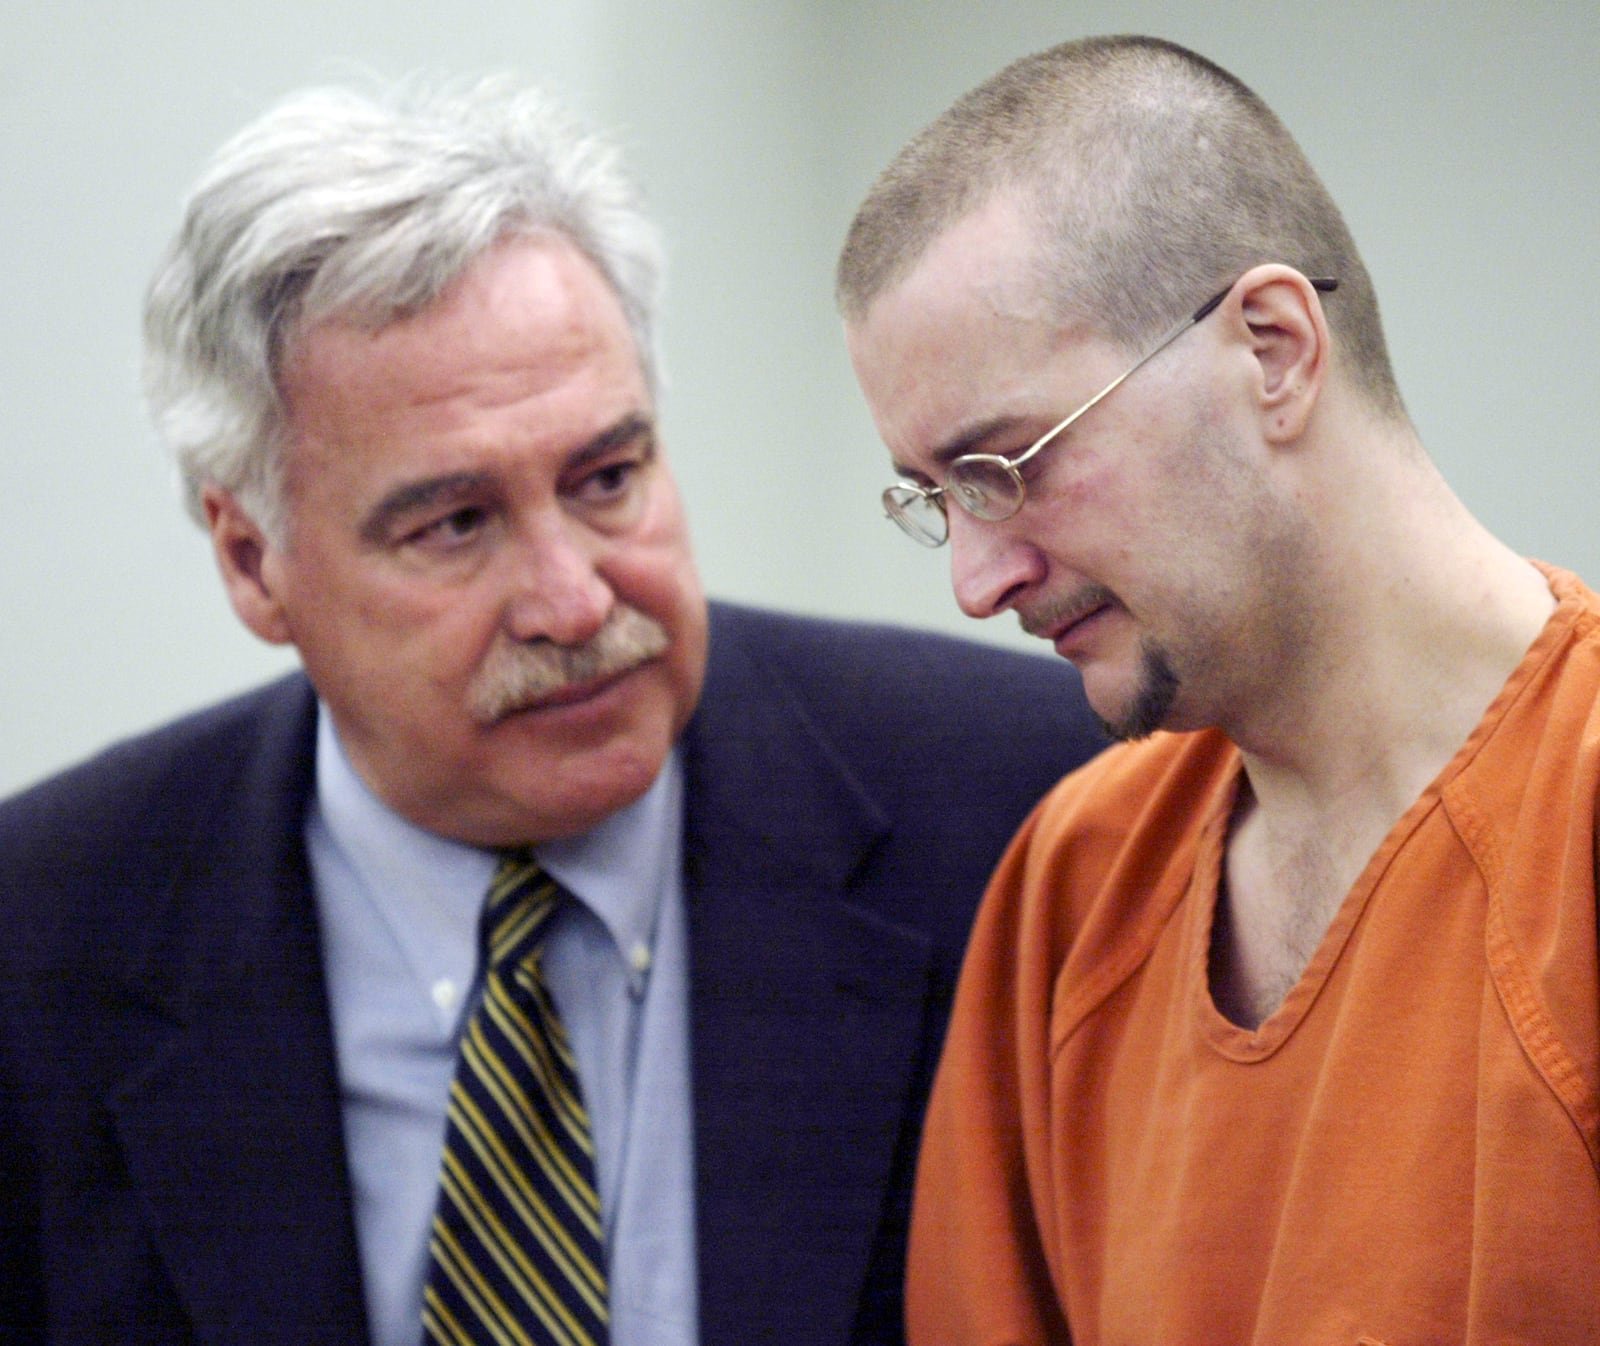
(171, 1162)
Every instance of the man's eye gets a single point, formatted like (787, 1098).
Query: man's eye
(609, 483)
(453, 527)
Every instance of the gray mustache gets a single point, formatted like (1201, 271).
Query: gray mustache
(516, 675)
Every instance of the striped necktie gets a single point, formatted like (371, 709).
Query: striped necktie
(516, 1257)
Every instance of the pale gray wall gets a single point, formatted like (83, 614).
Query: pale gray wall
(1458, 137)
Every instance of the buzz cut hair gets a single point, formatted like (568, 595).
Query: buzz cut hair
(1148, 176)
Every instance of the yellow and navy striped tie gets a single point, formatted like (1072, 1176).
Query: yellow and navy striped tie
(517, 1253)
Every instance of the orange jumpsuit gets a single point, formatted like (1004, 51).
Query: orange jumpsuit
(1407, 1151)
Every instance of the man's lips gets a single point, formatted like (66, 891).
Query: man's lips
(1066, 629)
(1063, 626)
(572, 693)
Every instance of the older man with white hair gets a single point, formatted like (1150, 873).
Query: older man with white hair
(556, 959)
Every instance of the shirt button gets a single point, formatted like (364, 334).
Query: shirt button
(445, 994)
(639, 958)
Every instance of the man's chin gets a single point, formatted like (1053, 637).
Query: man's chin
(536, 808)
(1150, 705)
(579, 806)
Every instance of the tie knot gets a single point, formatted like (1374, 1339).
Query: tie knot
(521, 899)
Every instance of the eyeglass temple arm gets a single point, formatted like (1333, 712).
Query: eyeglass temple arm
(1323, 283)
(1326, 284)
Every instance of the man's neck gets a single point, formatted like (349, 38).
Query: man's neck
(1407, 658)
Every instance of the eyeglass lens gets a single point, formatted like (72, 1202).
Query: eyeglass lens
(986, 487)
(919, 517)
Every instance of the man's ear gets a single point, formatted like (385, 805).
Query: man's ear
(246, 557)
(1290, 342)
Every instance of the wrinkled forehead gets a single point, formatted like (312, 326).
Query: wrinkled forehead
(473, 292)
(529, 312)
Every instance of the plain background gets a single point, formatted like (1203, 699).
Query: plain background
(1458, 137)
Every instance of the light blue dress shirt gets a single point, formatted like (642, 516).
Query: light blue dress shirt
(399, 910)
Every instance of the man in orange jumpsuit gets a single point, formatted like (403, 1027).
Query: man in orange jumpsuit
(1280, 1023)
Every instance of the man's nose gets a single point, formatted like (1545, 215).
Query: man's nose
(559, 591)
(991, 565)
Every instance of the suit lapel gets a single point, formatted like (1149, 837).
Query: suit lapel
(806, 1015)
(229, 1112)
(806, 1019)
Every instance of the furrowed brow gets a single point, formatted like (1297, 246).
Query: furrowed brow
(968, 441)
(413, 496)
(625, 431)
(429, 492)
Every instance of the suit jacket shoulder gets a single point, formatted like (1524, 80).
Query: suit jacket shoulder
(155, 784)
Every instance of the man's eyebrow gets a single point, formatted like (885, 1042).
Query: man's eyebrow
(625, 431)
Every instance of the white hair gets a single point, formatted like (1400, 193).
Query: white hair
(366, 208)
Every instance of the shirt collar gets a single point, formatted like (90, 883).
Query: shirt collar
(622, 867)
(434, 887)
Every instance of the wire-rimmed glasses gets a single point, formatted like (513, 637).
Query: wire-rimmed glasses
(989, 486)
